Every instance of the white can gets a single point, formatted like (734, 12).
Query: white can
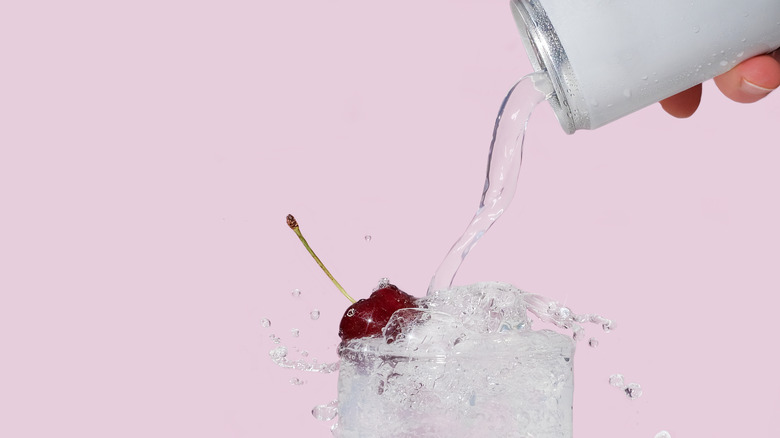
(609, 58)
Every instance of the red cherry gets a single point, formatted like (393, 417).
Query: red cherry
(367, 317)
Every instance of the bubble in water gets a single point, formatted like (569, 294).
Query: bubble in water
(326, 412)
(315, 314)
(663, 434)
(608, 326)
(593, 342)
(617, 381)
(367, 237)
(296, 381)
(383, 282)
(633, 391)
(275, 339)
(295, 332)
(304, 353)
(296, 293)
(265, 322)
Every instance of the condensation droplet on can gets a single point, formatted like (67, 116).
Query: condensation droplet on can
(296, 293)
(663, 434)
(627, 92)
(315, 314)
(696, 29)
(296, 381)
(724, 63)
(265, 322)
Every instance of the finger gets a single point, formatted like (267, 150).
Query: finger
(683, 104)
(751, 80)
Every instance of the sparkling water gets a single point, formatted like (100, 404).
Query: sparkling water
(464, 364)
(504, 159)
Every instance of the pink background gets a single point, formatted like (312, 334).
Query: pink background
(150, 151)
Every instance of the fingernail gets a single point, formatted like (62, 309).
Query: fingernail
(751, 88)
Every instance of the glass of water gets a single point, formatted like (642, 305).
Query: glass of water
(466, 364)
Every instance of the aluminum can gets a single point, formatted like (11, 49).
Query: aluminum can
(609, 58)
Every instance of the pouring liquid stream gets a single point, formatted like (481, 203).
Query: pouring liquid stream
(504, 160)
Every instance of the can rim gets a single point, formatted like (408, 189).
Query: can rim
(546, 53)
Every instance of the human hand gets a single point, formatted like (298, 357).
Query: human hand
(748, 82)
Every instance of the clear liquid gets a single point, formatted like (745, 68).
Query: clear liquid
(504, 159)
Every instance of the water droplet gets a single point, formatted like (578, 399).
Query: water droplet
(564, 312)
(593, 342)
(295, 332)
(265, 322)
(743, 39)
(594, 103)
(633, 391)
(696, 29)
(296, 381)
(724, 63)
(383, 282)
(617, 381)
(315, 314)
(367, 237)
(304, 353)
(644, 77)
(326, 412)
(608, 326)
(663, 434)
(296, 293)
(275, 339)
(279, 352)
(627, 92)
(351, 312)
(740, 54)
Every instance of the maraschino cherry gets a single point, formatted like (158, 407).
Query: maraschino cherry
(366, 317)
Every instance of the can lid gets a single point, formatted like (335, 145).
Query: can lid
(546, 53)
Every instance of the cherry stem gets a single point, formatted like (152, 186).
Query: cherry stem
(293, 224)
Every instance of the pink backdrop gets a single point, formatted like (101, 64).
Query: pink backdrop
(150, 151)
